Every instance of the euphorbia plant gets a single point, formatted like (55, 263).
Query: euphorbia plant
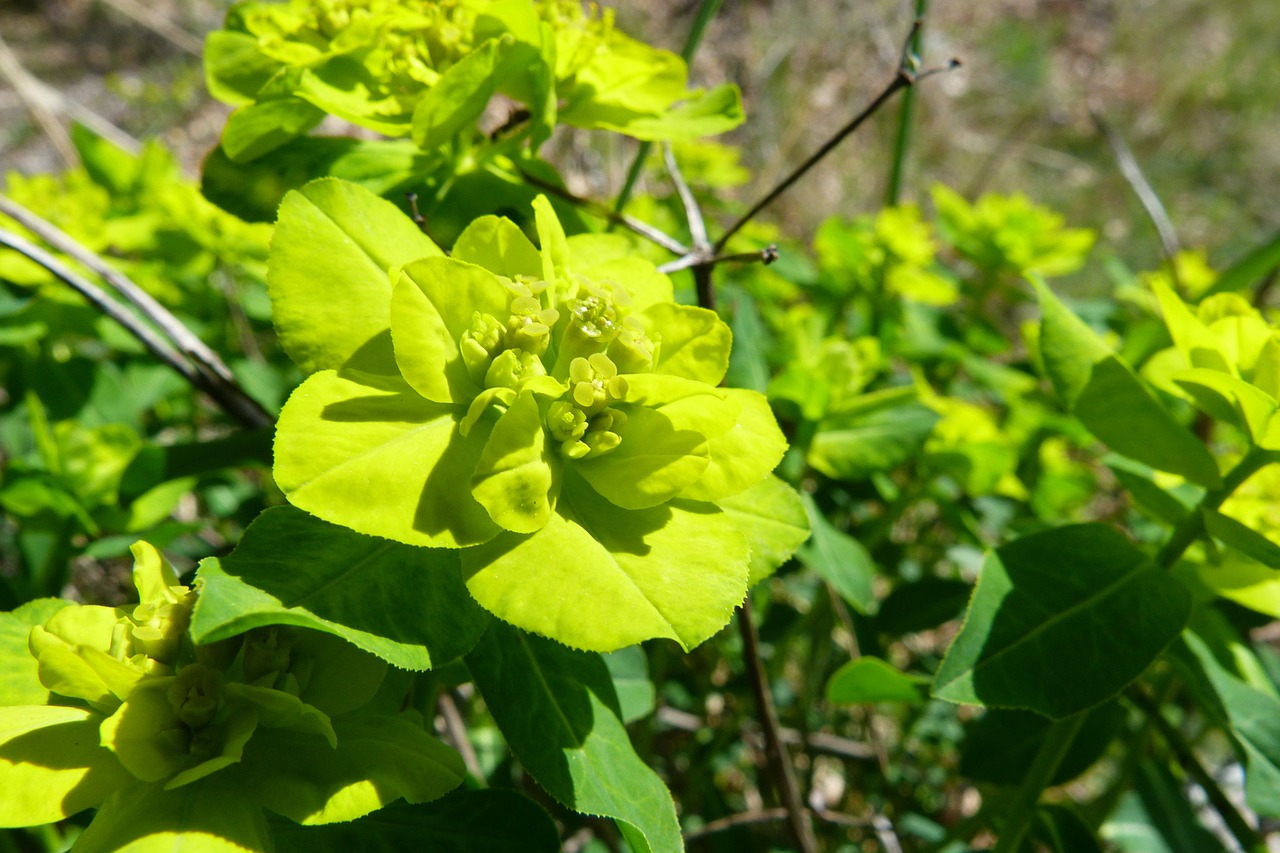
(552, 412)
(117, 708)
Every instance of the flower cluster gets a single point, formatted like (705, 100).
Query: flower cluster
(118, 708)
(552, 411)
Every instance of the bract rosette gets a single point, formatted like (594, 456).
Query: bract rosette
(552, 411)
(174, 743)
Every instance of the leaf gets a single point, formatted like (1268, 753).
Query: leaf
(695, 341)
(334, 248)
(1063, 831)
(656, 461)
(406, 605)
(51, 765)
(1243, 538)
(459, 96)
(774, 521)
(630, 671)
(1160, 802)
(494, 820)
(19, 678)
(514, 479)
(870, 679)
(864, 440)
(1068, 347)
(1228, 398)
(234, 68)
(1139, 481)
(1249, 715)
(378, 759)
(1000, 745)
(921, 605)
(381, 460)
(557, 710)
(209, 816)
(712, 113)
(1117, 408)
(600, 578)
(1060, 621)
(1249, 270)
(742, 455)
(260, 128)
(839, 559)
(498, 245)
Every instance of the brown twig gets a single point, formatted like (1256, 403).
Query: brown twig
(777, 815)
(908, 75)
(1142, 188)
(784, 777)
(823, 743)
(207, 363)
(456, 728)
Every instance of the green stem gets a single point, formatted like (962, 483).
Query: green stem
(1192, 526)
(905, 120)
(1057, 740)
(706, 12)
(1239, 827)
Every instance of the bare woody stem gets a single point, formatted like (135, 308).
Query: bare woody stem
(784, 777)
(907, 76)
(179, 347)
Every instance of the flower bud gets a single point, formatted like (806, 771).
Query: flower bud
(632, 350)
(594, 383)
(194, 694)
(480, 343)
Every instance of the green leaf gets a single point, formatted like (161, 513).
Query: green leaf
(695, 341)
(839, 559)
(1250, 716)
(870, 679)
(234, 69)
(1000, 745)
(558, 712)
(922, 605)
(774, 521)
(870, 438)
(260, 128)
(19, 678)
(1228, 398)
(432, 306)
(1139, 481)
(406, 605)
(1062, 830)
(1117, 408)
(600, 578)
(1249, 270)
(712, 113)
(1155, 817)
(51, 765)
(630, 671)
(742, 455)
(382, 461)
(1243, 538)
(497, 244)
(209, 816)
(1068, 347)
(1060, 621)
(494, 820)
(459, 96)
(378, 759)
(514, 479)
(655, 461)
(334, 248)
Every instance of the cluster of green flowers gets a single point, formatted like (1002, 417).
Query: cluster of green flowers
(553, 412)
(431, 68)
(117, 708)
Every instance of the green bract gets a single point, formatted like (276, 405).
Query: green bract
(131, 717)
(430, 69)
(553, 412)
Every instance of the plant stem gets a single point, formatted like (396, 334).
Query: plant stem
(1057, 741)
(905, 118)
(784, 778)
(1192, 525)
(1236, 823)
(905, 77)
(706, 12)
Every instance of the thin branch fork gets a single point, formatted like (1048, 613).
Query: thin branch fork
(909, 74)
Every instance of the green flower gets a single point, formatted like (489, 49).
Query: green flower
(553, 412)
(169, 739)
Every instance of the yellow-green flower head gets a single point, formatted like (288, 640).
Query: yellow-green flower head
(555, 413)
